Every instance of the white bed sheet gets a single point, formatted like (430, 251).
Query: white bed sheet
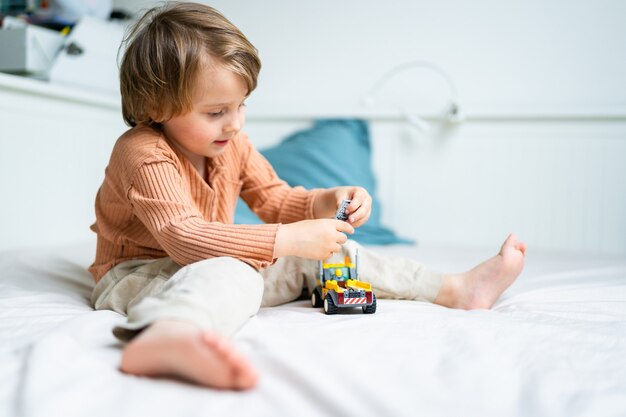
(554, 345)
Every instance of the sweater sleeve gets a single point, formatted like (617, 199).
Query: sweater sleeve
(271, 198)
(162, 203)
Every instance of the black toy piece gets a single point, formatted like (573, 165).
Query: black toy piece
(341, 212)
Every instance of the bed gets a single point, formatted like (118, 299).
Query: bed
(553, 345)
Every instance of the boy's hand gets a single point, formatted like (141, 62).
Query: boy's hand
(359, 210)
(313, 239)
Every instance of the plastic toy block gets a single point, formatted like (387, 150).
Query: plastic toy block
(341, 212)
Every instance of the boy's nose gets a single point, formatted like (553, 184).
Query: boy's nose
(233, 124)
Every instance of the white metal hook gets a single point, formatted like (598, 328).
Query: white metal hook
(452, 113)
(417, 122)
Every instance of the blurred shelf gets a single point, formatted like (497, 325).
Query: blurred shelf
(38, 87)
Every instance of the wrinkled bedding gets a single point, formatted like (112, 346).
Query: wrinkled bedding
(553, 345)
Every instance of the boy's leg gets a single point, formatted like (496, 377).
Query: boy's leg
(390, 276)
(285, 279)
(182, 316)
(402, 278)
(394, 276)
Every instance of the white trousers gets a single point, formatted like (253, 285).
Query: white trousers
(220, 294)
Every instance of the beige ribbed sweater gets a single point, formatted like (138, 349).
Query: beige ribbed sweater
(153, 203)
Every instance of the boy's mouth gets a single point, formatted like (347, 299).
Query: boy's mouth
(221, 142)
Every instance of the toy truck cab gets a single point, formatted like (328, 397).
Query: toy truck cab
(338, 287)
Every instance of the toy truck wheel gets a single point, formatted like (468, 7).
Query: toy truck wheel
(370, 309)
(329, 305)
(316, 298)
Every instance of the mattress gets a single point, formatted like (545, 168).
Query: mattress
(553, 345)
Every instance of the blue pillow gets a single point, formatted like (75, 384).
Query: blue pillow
(329, 154)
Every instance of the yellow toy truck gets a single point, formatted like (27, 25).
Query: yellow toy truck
(338, 287)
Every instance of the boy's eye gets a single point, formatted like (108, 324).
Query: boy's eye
(221, 112)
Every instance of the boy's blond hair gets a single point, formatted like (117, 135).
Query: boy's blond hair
(164, 51)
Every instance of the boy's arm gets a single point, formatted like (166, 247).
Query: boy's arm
(319, 239)
(274, 201)
(159, 199)
(167, 211)
(271, 198)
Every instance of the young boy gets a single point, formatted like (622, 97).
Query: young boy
(168, 255)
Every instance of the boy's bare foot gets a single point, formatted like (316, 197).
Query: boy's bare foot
(179, 349)
(482, 286)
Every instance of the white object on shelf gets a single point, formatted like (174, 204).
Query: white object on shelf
(95, 66)
(26, 48)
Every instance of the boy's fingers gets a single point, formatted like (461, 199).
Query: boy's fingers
(345, 227)
(354, 205)
(358, 222)
(361, 213)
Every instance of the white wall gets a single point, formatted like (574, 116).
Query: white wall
(52, 160)
(560, 186)
(557, 181)
(500, 53)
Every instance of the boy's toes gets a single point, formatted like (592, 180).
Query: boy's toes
(219, 344)
(245, 377)
(522, 248)
(511, 240)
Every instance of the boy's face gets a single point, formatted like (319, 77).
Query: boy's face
(216, 116)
